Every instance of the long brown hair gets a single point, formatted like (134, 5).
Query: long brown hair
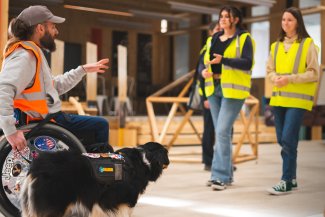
(18, 31)
(301, 29)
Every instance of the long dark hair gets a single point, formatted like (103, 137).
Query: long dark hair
(18, 31)
(235, 12)
(301, 29)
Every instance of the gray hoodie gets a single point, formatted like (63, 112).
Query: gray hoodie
(17, 73)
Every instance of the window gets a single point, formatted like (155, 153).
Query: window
(260, 10)
(260, 33)
(312, 24)
(308, 3)
(181, 53)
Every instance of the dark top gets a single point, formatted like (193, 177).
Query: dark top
(217, 46)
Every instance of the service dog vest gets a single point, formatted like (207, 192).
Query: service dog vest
(107, 167)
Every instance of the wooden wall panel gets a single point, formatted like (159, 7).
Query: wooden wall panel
(195, 42)
(161, 59)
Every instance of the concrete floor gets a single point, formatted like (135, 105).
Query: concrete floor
(181, 191)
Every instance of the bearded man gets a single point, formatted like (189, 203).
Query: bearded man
(27, 85)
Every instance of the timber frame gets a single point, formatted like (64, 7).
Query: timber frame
(248, 117)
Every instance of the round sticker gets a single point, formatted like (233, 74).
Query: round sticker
(44, 143)
(16, 170)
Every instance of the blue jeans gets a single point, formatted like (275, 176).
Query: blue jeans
(224, 113)
(85, 126)
(287, 125)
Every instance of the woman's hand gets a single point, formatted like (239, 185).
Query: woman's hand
(281, 81)
(206, 74)
(217, 59)
(99, 66)
(206, 104)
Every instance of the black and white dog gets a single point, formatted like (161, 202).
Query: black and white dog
(63, 184)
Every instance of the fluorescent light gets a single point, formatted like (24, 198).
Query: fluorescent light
(103, 11)
(193, 8)
(159, 16)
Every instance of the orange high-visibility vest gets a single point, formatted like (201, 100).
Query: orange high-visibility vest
(33, 98)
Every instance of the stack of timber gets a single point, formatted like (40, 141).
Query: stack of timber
(137, 131)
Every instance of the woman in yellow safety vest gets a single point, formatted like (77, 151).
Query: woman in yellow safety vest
(227, 83)
(208, 129)
(293, 69)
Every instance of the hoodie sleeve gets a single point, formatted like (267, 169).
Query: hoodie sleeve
(65, 82)
(17, 73)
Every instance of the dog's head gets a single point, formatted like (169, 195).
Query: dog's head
(157, 157)
(152, 157)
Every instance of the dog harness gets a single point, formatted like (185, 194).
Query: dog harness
(107, 167)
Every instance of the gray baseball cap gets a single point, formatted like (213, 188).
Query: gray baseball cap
(38, 14)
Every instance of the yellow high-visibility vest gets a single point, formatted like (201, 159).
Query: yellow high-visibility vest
(208, 82)
(292, 62)
(236, 83)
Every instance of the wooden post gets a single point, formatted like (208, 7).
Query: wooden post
(91, 57)
(4, 5)
(57, 58)
(122, 90)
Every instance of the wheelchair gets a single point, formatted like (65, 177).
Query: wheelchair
(41, 137)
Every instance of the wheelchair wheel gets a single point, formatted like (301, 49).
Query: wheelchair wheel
(15, 167)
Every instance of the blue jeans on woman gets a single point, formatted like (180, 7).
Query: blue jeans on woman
(287, 125)
(224, 113)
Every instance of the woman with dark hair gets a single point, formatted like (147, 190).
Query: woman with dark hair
(208, 128)
(293, 69)
(227, 83)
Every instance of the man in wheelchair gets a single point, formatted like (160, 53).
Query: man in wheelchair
(29, 92)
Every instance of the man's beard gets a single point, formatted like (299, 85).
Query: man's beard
(47, 42)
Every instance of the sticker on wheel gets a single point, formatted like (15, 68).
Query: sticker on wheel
(44, 143)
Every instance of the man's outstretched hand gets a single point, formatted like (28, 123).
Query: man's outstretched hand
(99, 66)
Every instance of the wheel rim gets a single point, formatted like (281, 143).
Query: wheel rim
(16, 166)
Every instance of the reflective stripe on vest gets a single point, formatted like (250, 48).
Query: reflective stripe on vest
(235, 86)
(33, 98)
(203, 50)
(293, 95)
(300, 95)
(235, 82)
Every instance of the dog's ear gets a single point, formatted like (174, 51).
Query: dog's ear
(157, 155)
